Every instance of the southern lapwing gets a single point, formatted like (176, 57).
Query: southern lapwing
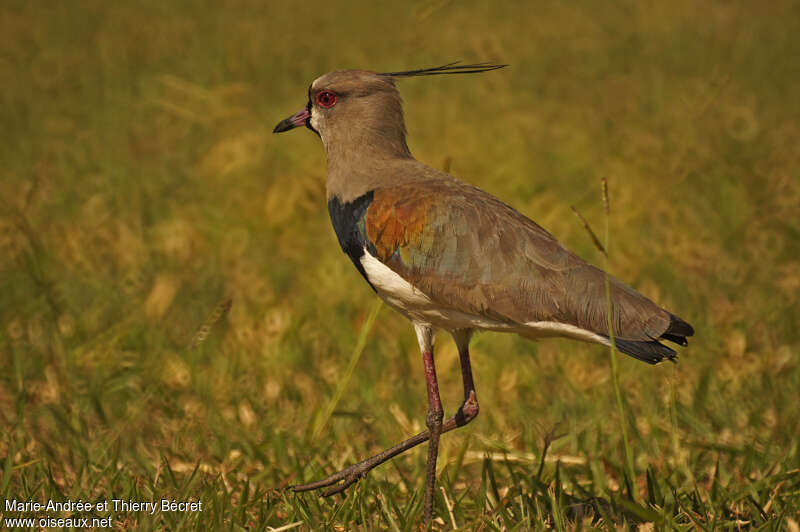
(449, 256)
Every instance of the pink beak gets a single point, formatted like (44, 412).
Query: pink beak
(298, 119)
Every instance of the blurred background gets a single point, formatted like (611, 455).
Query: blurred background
(176, 315)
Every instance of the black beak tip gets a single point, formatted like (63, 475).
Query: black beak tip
(283, 125)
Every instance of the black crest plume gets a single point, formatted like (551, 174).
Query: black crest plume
(449, 68)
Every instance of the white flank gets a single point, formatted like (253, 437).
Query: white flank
(553, 328)
(393, 288)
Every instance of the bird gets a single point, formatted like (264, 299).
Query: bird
(449, 256)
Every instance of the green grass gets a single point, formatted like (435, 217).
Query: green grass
(141, 189)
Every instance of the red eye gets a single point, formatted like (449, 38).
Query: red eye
(326, 99)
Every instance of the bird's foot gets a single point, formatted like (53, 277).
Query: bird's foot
(345, 478)
(339, 481)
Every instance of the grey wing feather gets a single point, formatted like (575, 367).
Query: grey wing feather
(480, 254)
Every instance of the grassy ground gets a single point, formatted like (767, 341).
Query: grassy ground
(142, 191)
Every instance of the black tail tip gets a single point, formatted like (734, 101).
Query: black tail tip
(654, 352)
(651, 352)
(675, 339)
(677, 331)
(678, 327)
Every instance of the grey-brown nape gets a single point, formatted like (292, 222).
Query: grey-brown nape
(449, 68)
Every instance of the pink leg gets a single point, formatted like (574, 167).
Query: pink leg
(434, 423)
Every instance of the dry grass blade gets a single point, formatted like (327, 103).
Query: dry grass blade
(290, 526)
(202, 333)
(449, 505)
(589, 230)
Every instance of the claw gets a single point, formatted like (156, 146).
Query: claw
(333, 490)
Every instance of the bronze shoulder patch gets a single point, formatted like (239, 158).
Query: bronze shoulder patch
(395, 219)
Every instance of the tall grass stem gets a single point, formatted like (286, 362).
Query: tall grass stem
(613, 347)
(325, 415)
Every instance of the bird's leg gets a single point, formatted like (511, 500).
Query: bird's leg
(434, 423)
(469, 408)
(348, 476)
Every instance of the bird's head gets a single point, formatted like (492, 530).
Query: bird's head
(362, 108)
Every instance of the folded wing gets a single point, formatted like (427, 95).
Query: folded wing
(469, 251)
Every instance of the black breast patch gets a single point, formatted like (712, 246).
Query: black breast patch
(348, 222)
